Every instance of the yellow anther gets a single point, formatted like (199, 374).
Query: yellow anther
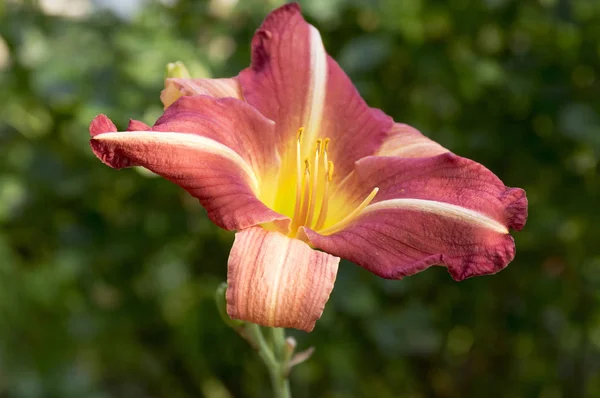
(329, 170)
(312, 183)
(299, 134)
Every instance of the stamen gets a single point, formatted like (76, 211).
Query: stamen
(325, 201)
(306, 197)
(324, 153)
(314, 185)
(298, 173)
(346, 220)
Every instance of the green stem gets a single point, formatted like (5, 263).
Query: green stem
(275, 353)
(273, 360)
(278, 338)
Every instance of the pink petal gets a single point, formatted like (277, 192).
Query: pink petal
(294, 82)
(407, 142)
(277, 281)
(101, 124)
(443, 210)
(444, 178)
(211, 147)
(219, 88)
(136, 125)
(228, 121)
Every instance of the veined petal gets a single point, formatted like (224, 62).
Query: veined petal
(223, 182)
(228, 121)
(277, 281)
(220, 88)
(287, 79)
(355, 129)
(408, 142)
(294, 82)
(400, 239)
(446, 178)
(212, 147)
(443, 210)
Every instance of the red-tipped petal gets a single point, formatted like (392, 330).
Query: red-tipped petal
(211, 147)
(443, 210)
(219, 88)
(278, 281)
(102, 124)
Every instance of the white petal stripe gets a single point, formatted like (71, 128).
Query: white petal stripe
(317, 89)
(191, 141)
(448, 210)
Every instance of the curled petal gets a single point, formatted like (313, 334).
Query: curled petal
(213, 148)
(443, 210)
(408, 142)
(444, 178)
(102, 124)
(401, 237)
(223, 182)
(228, 121)
(219, 88)
(277, 281)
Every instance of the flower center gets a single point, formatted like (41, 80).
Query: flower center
(313, 179)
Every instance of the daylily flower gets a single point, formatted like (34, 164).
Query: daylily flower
(289, 155)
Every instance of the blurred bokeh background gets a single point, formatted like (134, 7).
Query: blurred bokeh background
(107, 278)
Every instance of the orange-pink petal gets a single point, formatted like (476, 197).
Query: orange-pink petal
(229, 121)
(216, 149)
(219, 88)
(443, 210)
(277, 281)
(408, 142)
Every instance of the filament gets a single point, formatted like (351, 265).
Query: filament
(346, 220)
(298, 173)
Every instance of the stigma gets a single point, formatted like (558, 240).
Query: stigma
(314, 175)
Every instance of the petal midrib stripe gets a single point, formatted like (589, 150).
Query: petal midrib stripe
(458, 213)
(192, 141)
(315, 99)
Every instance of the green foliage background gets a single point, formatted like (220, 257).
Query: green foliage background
(107, 278)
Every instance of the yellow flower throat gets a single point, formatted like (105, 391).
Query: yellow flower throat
(308, 184)
(313, 191)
